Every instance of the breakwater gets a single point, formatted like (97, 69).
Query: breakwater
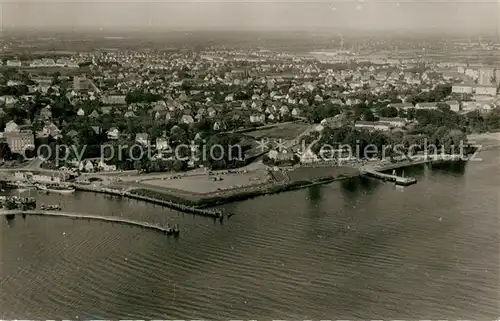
(137, 195)
(200, 205)
(111, 219)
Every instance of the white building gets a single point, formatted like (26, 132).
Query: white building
(486, 75)
(427, 106)
(394, 122)
(462, 88)
(454, 105)
(308, 157)
(373, 125)
(13, 63)
(486, 90)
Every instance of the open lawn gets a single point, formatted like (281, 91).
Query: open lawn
(284, 131)
(205, 184)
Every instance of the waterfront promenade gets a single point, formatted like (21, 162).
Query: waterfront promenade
(111, 219)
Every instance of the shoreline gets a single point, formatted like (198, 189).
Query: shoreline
(201, 206)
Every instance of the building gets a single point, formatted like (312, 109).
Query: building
(462, 88)
(486, 76)
(468, 106)
(84, 84)
(394, 122)
(162, 143)
(427, 106)
(308, 157)
(11, 127)
(454, 105)
(13, 63)
(401, 105)
(44, 179)
(373, 125)
(142, 138)
(114, 100)
(490, 90)
(113, 133)
(19, 141)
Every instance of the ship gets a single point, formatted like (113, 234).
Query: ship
(60, 189)
(405, 181)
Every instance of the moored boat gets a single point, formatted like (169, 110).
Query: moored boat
(60, 189)
(55, 207)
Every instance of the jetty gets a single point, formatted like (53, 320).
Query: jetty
(111, 219)
(403, 181)
(169, 204)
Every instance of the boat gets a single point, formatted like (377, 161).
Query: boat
(55, 207)
(41, 187)
(60, 189)
(405, 181)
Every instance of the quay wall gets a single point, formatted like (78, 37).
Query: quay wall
(200, 206)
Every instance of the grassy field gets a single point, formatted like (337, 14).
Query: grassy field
(205, 184)
(285, 131)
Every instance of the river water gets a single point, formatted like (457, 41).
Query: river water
(357, 249)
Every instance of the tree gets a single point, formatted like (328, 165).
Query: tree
(368, 115)
(179, 165)
(138, 165)
(5, 152)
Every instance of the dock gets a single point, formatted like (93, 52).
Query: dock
(169, 204)
(111, 219)
(403, 181)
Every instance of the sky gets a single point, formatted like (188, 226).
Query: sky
(447, 15)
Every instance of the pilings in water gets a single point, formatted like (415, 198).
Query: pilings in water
(112, 219)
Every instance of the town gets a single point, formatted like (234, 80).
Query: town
(232, 97)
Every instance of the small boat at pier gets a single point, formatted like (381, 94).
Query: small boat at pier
(54, 207)
(60, 189)
(405, 181)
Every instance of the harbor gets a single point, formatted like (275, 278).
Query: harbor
(215, 213)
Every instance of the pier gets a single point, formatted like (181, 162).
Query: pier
(169, 204)
(404, 181)
(111, 219)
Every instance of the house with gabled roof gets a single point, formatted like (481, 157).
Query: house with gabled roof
(211, 112)
(187, 119)
(94, 114)
(113, 133)
(51, 129)
(296, 112)
(129, 114)
(46, 113)
(426, 106)
(142, 138)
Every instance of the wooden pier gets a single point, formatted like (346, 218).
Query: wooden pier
(112, 219)
(404, 181)
(169, 204)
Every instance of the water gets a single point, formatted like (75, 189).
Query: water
(358, 249)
